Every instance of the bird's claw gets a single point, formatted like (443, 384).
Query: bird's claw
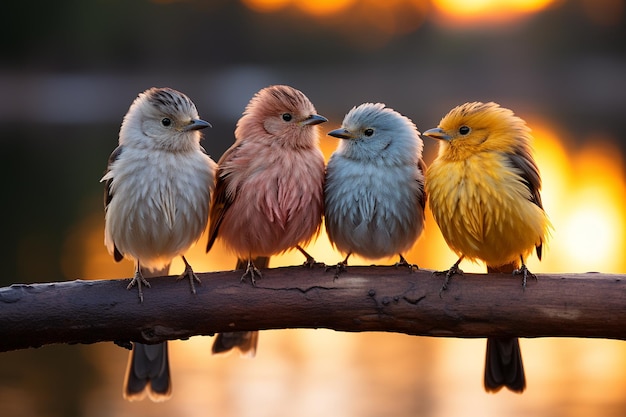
(449, 273)
(403, 263)
(339, 269)
(252, 271)
(188, 273)
(138, 279)
(525, 273)
(312, 263)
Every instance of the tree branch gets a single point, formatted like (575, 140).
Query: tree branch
(363, 299)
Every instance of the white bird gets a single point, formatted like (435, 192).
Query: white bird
(159, 183)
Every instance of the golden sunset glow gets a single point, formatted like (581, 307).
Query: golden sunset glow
(484, 8)
(463, 13)
(315, 8)
(401, 16)
(593, 228)
(323, 7)
(69, 75)
(266, 6)
(584, 193)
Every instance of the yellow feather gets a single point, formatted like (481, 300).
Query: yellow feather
(480, 202)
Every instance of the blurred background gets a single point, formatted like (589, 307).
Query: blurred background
(70, 69)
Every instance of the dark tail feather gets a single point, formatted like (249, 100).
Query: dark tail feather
(148, 372)
(148, 369)
(503, 362)
(246, 342)
(503, 365)
(539, 249)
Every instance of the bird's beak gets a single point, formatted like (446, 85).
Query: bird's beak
(314, 119)
(437, 133)
(341, 133)
(196, 124)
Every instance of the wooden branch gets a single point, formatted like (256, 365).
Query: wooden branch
(362, 299)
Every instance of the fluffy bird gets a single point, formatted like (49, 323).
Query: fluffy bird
(159, 183)
(484, 194)
(374, 188)
(269, 187)
(269, 184)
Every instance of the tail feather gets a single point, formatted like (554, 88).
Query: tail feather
(503, 362)
(246, 342)
(148, 369)
(148, 372)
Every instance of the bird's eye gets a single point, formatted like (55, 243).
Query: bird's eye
(166, 122)
(464, 130)
(287, 117)
(368, 132)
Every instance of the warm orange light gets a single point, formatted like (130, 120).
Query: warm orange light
(382, 19)
(593, 228)
(465, 7)
(323, 7)
(470, 11)
(315, 8)
(266, 6)
(583, 193)
(554, 166)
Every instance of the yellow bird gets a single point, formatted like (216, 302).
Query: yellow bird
(484, 194)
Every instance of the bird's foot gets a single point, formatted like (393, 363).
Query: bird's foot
(138, 279)
(340, 268)
(454, 270)
(193, 278)
(403, 263)
(310, 261)
(525, 273)
(252, 271)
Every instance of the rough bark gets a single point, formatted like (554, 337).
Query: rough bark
(363, 299)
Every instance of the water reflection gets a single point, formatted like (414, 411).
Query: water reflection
(319, 372)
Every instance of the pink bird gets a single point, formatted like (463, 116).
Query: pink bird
(269, 187)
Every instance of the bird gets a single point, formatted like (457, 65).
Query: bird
(374, 196)
(158, 187)
(269, 187)
(484, 193)
(269, 184)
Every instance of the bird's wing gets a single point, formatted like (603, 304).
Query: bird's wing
(524, 162)
(107, 185)
(424, 197)
(108, 194)
(221, 200)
